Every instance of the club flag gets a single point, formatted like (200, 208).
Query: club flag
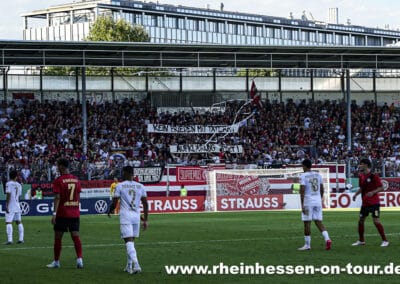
(255, 98)
(253, 90)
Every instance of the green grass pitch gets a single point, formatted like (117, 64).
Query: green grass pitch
(268, 238)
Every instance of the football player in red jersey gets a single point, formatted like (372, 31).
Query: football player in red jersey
(370, 186)
(66, 213)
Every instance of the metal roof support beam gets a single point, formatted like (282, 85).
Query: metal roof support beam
(41, 83)
(348, 100)
(84, 112)
(5, 82)
(312, 83)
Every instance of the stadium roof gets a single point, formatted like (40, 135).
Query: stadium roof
(150, 55)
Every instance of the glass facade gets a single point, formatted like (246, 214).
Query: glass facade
(176, 24)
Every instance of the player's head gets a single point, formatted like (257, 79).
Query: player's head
(307, 163)
(366, 162)
(127, 172)
(13, 174)
(62, 165)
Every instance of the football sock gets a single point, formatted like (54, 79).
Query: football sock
(361, 231)
(9, 230)
(381, 231)
(78, 246)
(307, 240)
(21, 232)
(129, 261)
(325, 235)
(57, 249)
(131, 251)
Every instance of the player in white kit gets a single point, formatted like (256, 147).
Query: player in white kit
(13, 210)
(311, 193)
(131, 194)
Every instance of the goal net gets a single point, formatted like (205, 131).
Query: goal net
(254, 189)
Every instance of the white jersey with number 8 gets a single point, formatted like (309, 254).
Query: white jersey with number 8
(312, 185)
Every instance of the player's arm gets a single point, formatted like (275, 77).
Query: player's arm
(113, 205)
(145, 211)
(302, 190)
(356, 194)
(56, 204)
(8, 198)
(321, 190)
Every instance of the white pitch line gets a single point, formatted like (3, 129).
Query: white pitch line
(23, 247)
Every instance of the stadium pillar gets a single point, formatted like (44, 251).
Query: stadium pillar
(247, 84)
(181, 99)
(5, 83)
(84, 112)
(312, 83)
(77, 84)
(214, 88)
(342, 87)
(374, 85)
(41, 83)
(112, 84)
(280, 84)
(348, 100)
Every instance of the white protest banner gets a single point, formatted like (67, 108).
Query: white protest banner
(192, 129)
(205, 148)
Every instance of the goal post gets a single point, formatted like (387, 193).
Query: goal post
(263, 186)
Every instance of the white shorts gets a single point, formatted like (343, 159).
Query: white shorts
(130, 230)
(13, 216)
(313, 213)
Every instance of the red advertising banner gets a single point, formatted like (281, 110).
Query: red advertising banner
(95, 183)
(193, 174)
(176, 204)
(344, 200)
(250, 202)
(391, 184)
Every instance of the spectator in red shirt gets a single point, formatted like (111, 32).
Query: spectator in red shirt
(370, 186)
(66, 214)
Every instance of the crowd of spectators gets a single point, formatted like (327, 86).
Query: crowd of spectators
(34, 134)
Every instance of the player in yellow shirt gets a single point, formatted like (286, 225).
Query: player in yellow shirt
(112, 190)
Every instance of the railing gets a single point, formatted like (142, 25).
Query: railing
(46, 172)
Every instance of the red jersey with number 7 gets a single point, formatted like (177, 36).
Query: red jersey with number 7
(69, 189)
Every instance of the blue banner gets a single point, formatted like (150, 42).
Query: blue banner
(45, 207)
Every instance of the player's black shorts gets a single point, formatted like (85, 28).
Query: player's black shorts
(373, 209)
(67, 224)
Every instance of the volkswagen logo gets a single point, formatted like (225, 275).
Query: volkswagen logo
(101, 206)
(24, 208)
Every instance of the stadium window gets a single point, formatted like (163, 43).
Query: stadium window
(138, 19)
(312, 37)
(329, 38)
(240, 29)
(305, 36)
(277, 33)
(321, 37)
(221, 27)
(153, 21)
(374, 41)
(259, 31)
(295, 35)
(270, 32)
(360, 40)
(181, 23)
(212, 26)
(202, 25)
(287, 34)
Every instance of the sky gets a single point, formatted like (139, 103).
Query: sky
(371, 13)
